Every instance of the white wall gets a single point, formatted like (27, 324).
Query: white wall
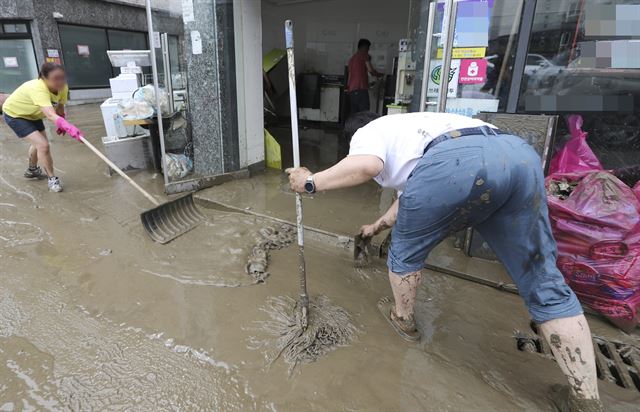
(248, 40)
(81, 96)
(326, 32)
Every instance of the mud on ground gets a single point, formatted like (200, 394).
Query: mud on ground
(94, 316)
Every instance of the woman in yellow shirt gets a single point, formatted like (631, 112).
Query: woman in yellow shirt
(24, 111)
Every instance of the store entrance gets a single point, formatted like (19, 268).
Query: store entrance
(17, 58)
(326, 35)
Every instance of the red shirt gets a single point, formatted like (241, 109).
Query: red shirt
(358, 77)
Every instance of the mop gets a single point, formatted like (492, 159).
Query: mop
(304, 329)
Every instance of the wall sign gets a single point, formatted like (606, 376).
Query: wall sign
(83, 50)
(435, 77)
(187, 11)
(156, 40)
(471, 107)
(465, 53)
(473, 71)
(10, 62)
(53, 56)
(54, 60)
(196, 42)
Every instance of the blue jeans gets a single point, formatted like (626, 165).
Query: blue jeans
(496, 185)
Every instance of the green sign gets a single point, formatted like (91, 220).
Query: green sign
(436, 72)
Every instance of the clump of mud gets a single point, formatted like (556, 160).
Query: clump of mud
(360, 251)
(269, 238)
(329, 327)
(562, 189)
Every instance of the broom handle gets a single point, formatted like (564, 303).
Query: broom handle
(118, 170)
(288, 35)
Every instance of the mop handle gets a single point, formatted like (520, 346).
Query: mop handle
(293, 102)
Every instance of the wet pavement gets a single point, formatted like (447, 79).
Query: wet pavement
(95, 316)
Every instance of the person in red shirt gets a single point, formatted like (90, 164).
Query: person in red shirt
(358, 80)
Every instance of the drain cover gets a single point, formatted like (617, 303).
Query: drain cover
(616, 362)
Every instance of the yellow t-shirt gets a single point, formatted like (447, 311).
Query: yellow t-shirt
(27, 101)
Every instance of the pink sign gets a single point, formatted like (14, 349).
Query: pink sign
(473, 71)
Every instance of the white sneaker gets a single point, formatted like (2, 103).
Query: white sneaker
(55, 185)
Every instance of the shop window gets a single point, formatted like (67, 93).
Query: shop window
(17, 63)
(178, 80)
(126, 40)
(85, 56)
(586, 60)
(11, 28)
(484, 48)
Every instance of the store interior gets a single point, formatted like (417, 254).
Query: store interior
(326, 35)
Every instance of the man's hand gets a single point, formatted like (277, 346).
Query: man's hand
(385, 222)
(368, 231)
(297, 178)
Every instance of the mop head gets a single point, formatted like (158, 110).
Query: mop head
(329, 327)
(269, 238)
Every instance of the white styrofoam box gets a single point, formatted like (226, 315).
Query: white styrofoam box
(122, 95)
(112, 122)
(124, 83)
(129, 153)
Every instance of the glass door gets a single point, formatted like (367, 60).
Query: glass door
(17, 58)
(17, 63)
(478, 51)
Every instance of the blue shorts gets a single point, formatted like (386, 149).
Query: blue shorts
(496, 185)
(23, 127)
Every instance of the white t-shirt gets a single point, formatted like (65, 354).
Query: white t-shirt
(399, 141)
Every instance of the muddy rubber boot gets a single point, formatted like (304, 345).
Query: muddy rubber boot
(565, 401)
(55, 185)
(34, 172)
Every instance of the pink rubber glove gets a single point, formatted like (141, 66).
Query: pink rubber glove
(64, 125)
(59, 131)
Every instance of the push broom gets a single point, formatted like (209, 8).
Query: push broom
(165, 221)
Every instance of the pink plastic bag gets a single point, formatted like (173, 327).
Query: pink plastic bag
(576, 155)
(597, 229)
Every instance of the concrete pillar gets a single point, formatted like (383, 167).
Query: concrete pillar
(47, 25)
(211, 84)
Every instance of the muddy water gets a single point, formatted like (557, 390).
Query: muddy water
(338, 211)
(94, 316)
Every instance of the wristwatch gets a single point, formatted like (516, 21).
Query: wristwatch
(309, 185)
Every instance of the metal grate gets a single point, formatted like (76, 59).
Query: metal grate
(616, 362)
